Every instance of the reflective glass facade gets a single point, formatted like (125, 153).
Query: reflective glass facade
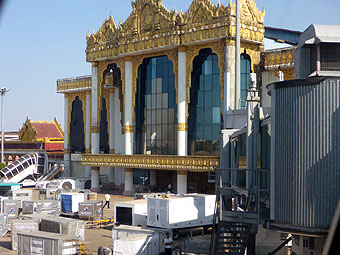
(103, 135)
(205, 107)
(156, 110)
(77, 136)
(245, 78)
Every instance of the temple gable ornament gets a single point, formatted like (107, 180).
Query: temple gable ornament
(151, 25)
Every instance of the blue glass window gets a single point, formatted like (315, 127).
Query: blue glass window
(245, 77)
(205, 113)
(155, 109)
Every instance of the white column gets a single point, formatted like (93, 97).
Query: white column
(88, 131)
(66, 134)
(237, 57)
(95, 179)
(94, 127)
(67, 162)
(181, 182)
(128, 189)
(229, 67)
(112, 123)
(128, 126)
(182, 128)
(153, 177)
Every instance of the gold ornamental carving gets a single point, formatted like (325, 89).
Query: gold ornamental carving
(95, 129)
(182, 127)
(128, 129)
(151, 26)
(158, 162)
(281, 57)
(75, 84)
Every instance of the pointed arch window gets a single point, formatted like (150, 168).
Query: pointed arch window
(77, 144)
(103, 135)
(245, 77)
(205, 107)
(156, 109)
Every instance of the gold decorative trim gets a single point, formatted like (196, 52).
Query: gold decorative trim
(74, 84)
(66, 151)
(281, 57)
(180, 172)
(182, 49)
(95, 168)
(159, 162)
(112, 151)
(95, 129)
(128, 129)
(87, 150)
(182, 127)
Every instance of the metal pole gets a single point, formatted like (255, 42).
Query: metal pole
(2, 126)
(237, 57)
(2, 91)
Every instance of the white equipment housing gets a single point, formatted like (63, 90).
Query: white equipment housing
(132, 213)
(180, 211)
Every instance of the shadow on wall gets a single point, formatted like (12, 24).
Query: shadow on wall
(323, 178)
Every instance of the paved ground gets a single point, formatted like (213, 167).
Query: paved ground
(102, 235)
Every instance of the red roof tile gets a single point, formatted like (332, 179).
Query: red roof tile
(46, 130)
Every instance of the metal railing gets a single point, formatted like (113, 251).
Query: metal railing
(244, 194)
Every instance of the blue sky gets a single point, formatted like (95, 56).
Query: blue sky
(42, 41)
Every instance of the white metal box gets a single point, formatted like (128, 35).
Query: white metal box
(42, 206)
(130, 239)
(2, 199)
(180, 211)
(70, 202)
(63, 225)
(43, 243)
(3, 224)
(133, 212)
(90, 209)
(11, 207)
(21, 226)
(22, 195)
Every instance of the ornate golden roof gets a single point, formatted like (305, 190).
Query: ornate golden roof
(38, 131)
(151, 25)
(283, 58)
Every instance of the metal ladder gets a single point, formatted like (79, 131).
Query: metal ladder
(232, 227)
(81, 248)
(213, 164)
